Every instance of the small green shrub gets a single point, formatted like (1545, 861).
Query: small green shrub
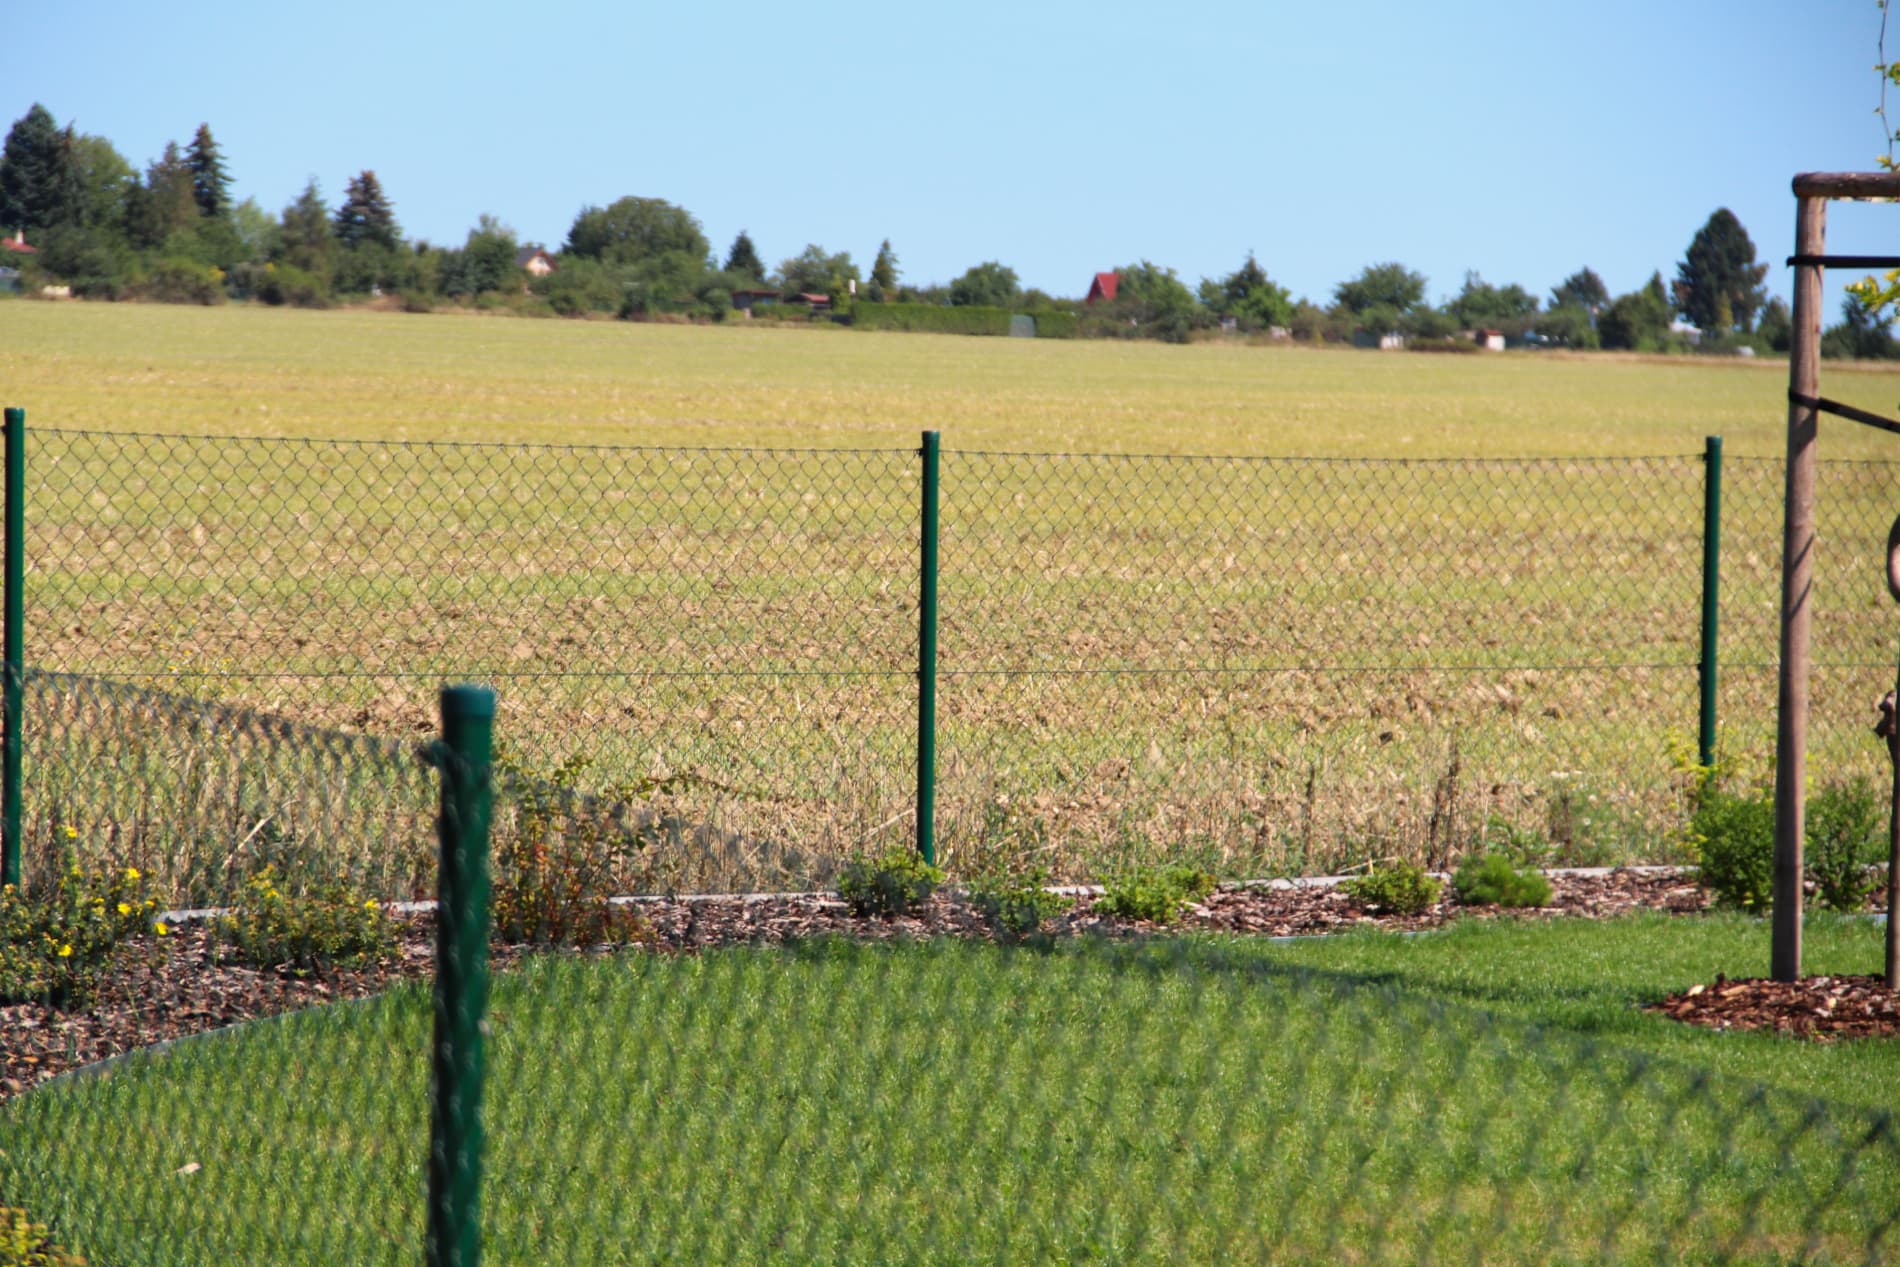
(1846, 834)
(893, 883)
(53, 949)
(332, 927)
(557, 864)
(1401, 888)
(1491, 880)
(24, 1243)
(1734, 838)
(1159, 894)
(1014, 906)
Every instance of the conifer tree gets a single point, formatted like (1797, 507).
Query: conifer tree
(884, 272)
(36, 177)
(210, 183)
(365, 215)
(743, 258)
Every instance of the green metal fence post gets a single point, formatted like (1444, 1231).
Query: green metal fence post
(14, 636)
(461, 979)
(1711, 593)
(927, 657)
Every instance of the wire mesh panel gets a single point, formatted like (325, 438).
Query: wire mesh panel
(1856, 629)
(730, 633)
(1284, 665)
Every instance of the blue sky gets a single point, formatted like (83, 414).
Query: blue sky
(1523, 141)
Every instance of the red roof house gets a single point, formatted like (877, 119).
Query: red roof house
(17, 244)
(1103, 288)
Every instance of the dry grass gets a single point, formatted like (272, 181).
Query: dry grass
(1270, 666)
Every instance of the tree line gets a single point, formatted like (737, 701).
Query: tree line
(172, 233)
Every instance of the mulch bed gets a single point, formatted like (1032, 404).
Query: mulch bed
(1820, 1008)
(169, 988)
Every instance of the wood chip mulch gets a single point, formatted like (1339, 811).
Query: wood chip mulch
(1818, 1008)
(162, 989)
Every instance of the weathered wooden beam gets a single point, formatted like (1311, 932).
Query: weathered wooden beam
(1797, 581)
(1847, 185)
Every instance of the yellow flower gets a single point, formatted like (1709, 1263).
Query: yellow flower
(370, 905)
(162, 930)
(72, 833)
(131, 873)
(65, 952)
(125, 908)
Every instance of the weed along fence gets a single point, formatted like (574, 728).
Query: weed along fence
(1261, 665)
(1158, 1100)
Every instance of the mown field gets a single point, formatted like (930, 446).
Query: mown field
(1489, 1093)
(386, 376)
(1291, 655)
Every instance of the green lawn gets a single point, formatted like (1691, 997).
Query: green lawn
(1487, 1094)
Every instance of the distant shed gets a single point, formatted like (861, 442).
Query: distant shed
(1103, 288)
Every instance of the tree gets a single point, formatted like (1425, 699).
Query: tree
(210, 183)
(365, 217)
(104, 180)
(988, 285)
(743, 259)
(1776, 326)
(1157, 302)
(1720, 266)
(884, 273)
(1390, 287)
(1250, 296)
(36, 178)
(1862, 335)
(486, 261)
(634, 229)
(813, 272)
(165, 206)
(1639, 320)
(306, 241)
(1582, 289)
(1480, 304)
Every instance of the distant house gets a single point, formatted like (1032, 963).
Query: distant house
(819, 303)
(1391, 341)
(535, 260)
(747, 300)
(1489, 340)
(16, 245)
(1103, 288)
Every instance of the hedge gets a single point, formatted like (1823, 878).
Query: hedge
(972, 319)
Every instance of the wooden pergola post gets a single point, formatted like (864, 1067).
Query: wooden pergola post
(1812, 191)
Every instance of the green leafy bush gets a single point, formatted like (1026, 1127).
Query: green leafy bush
(1846, 834)
(1491, 880)
(1159, 894)
(53, 949)
(331, 927)
(1401, 888)
(24, 1243)
(1014, 906)
(1734, 838)
(893, 883)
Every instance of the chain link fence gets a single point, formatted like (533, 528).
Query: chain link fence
(1088, 1101)
(707, 666)
(1267, 666)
